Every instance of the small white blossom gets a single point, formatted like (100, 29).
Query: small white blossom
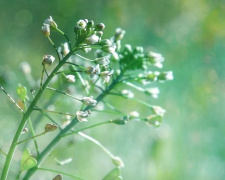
(119, 34)
(156, 59)
(105, 75)
(93, 70)
(127, 93)
(81, 24)
(48, 60)
(89, 101)
(153, 92)
(92, 39)
(51, 23)
(46, 29)
(134, 114)
(169, 75)
(82, 115)
(157, 110)
(103, 61)
(109, 49)
(70, 78)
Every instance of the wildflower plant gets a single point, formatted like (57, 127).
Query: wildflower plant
(112, 66)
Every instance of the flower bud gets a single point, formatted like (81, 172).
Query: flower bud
(99, 27)
(127, 93)
(92, 39)
(103, 61)
(46, 29)
(119, 34)
(48, 60)
(82, 115)
(153, 92)
(89, 101)
(70, 78)
(99, 33)
(105, 42)
(154, 120)
(90, 24)
(156, 59)
(109, 49)
(93, 70)
(105, 75)
(51, 23)
(81, 24)
(133, 114)
(164, 76)
(157, 110)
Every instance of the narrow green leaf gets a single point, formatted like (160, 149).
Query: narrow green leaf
(22, 92)
(113, 175)
(27, 161)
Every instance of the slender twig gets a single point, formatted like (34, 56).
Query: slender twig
(41, 134)
(60, 172)
(11, 99)
(54, 47)
(3, 152)
(84, 58)
(56, 112)
(68, 40)
(52, 89)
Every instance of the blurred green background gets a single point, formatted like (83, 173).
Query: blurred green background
(190, 34)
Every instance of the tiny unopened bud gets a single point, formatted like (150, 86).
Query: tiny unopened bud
(99, 27)
(86, 50)
(93, 70)
(50, 127)
(105, 42)
(103, 61)
(48, 60)
(127, 93)
(82, 115)
(51, 23)
(109, 49)
(90, 24)
(154, 120)
(119, 34)
(70, 78)
(89, 101)
(153, 92)
(105, 75)
(46, 29)
(92, 39)
(133, 114)
(24, 130)
(81, 24)
(164, 76)
(120, 121)
(157, 110)
(118, 161)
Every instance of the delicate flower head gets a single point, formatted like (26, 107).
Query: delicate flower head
(93, 70)
(92, 39)
(103, 61)
(156, 59)
(89, 101)
(100, 27)
(51, 23)
(105, 75)
(119, 34)
(109, 49)
(46, 29)
(70, 78)
(165, 76)
(134, 114)
(48, 60)
(153, 92)
(81, 24)
(82, 115)
(157, 110)
(127, 93)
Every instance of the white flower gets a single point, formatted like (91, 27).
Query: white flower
(157, 110)
(70, 78)
(109, 49)
(66, 49)
(46, 29)
(105, 75)
(48, 60)
(81, 24)
(119, 34)
(127, 93)
(156, 59)
(89, 101)
(92, 39)
(93, 70)
(51, 22)
(134, 114)
(169, 75)
(82, 115)
(103, 61)
(153, 92)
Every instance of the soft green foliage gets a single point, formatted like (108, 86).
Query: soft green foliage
(22, 92)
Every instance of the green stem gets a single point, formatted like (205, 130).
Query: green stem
(27, 115)
(3, 152)
(54, 142)
(75, 132)
(31, 138)
(60, 172)
(54, 47)
(56, 112)
(63, 93)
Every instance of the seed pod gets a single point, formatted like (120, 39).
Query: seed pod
(48, 60)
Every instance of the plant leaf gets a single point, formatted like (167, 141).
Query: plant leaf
(27, 161)
(113, 175)
(22, 92)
